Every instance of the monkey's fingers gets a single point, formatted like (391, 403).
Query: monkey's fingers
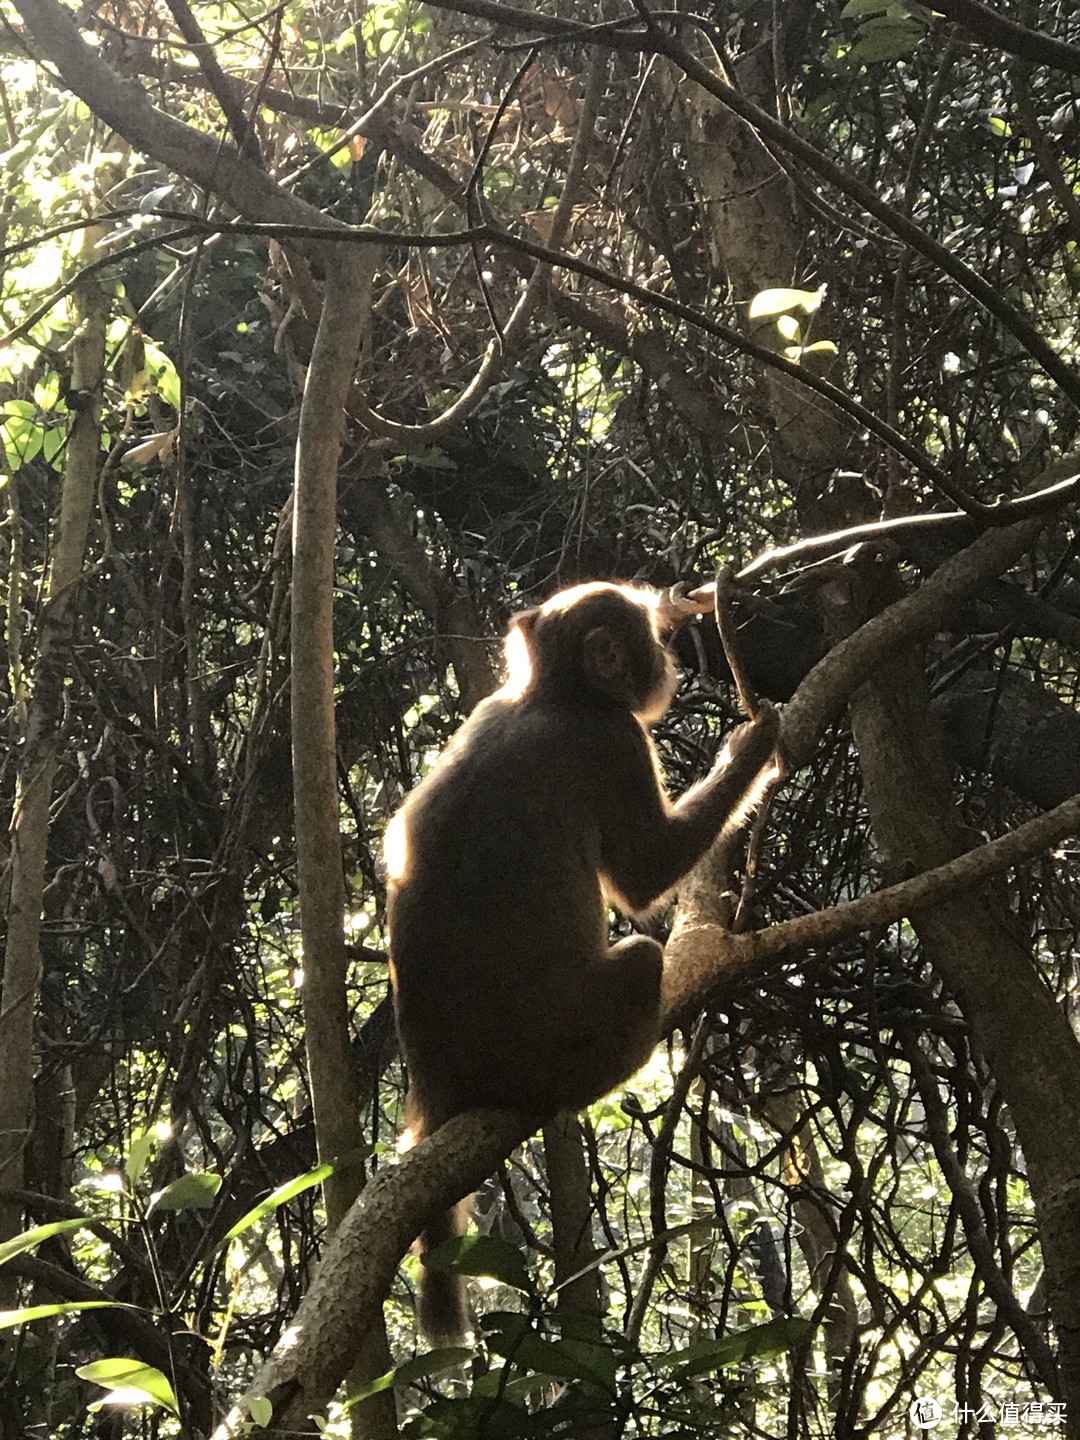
(675, 608)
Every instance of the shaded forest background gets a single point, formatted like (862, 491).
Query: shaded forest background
(635, 295)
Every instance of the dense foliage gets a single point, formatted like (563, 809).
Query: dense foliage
(849, 1135)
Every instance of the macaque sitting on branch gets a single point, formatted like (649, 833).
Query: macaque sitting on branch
(546, 807)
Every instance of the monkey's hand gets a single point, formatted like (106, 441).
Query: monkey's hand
(757, 742)
(675, 607)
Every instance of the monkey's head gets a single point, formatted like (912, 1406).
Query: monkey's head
(594, 640)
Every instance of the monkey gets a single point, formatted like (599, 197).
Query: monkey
(546, 806)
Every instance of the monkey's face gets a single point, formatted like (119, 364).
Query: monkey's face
(596, 639)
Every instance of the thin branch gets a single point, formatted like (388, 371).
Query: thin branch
(738, 956)
(222, 90)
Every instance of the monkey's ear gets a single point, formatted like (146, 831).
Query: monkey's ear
(607, 664)
(525, 619)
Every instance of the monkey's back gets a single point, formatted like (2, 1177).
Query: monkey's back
(506, 820)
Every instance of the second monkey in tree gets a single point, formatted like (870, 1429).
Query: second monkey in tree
(545, 807)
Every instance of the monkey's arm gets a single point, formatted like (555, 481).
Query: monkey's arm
(648, 844)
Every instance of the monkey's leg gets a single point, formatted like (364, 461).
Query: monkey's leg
(616, 1021)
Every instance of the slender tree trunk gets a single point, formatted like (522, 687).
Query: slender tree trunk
(334, 1099)
(38, 758)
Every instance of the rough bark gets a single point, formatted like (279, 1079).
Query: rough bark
(306, 1367)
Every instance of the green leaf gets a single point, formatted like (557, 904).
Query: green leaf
(511, 1336)
(163, 372)
(888, 40)
(139, 1152)
(29, 1239)
(195, 1191)
(421, 1367)
(53, 442)
(47, 391)
(482, 1255)
(855, 9)
(779, 300)
(762, 1342)
(24, 434)
(129, 1382)
(261, 1409)
(280, 1196)
(29, 1313)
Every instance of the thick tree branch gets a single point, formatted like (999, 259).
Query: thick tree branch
(991, 28)
(358, 1266)
(916, 617)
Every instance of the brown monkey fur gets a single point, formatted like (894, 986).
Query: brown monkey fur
(546, 805)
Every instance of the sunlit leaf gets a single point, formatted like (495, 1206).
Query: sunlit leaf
(29, 1313)
(139, 1152)
(30, 1239)
(130, 1383)
(482, 1255)
(780, 300)
(195, 1191)
(281, 1196)
(788, 327)
(261, 1409)
(422, 1367)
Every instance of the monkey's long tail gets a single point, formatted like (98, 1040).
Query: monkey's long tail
(442, 1310)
